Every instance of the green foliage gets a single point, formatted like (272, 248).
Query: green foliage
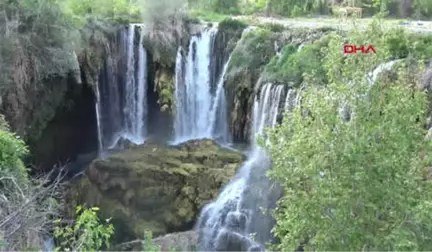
(357, 184)
(253, 6)
(45, 39)
(219, 6)
(225, 6)
(295, 8)
(253, 51)
(423, 8)
(274, 27)
(402, 45)
(207, 16)
(111, 10)
(292, 65)
(12, 149)
(149, 245)
(231, 24)
(88, 233)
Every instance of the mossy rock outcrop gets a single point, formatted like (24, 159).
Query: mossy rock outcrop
(253, 52)
(157, 188)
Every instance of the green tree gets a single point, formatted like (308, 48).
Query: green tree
(12, 149)
(357, 184)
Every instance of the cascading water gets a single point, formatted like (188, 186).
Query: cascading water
(193, 95)
(199, 114)
(218, 114)
(136, 86)
(121, 104)
(372, 76)
(229, 223)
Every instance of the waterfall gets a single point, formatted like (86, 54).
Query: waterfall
(218, 114)
(98, 119)
(235, 221)
(291, 100)
(372, 76)
(121, 104)
(199, 113)
(136, 85)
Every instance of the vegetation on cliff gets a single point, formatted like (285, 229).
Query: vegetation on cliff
(356, 184)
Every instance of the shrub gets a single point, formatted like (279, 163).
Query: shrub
(88, 233)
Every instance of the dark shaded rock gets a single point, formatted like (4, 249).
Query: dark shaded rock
(124, 143)
(156, 187)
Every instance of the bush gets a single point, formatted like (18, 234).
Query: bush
(12, 149)
(88, 233)
(293, 65)
(274, 27)
(253, 51)
(232, 24)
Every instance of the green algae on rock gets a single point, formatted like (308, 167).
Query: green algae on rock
(155, 187)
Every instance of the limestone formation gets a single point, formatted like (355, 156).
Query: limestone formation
(154, 187)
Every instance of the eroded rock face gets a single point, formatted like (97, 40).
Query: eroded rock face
(157, 188)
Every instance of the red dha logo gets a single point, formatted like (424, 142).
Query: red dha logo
(352, 49)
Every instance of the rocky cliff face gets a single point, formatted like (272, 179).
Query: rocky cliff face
(154, 187)
(54, 112)
(250, 56)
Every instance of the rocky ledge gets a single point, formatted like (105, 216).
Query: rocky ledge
(155, 187)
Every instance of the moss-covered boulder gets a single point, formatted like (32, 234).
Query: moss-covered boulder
(157, 188)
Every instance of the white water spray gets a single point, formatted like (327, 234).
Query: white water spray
(226, 224)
